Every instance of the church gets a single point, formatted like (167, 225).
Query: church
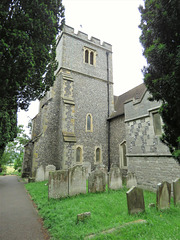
(80, 121)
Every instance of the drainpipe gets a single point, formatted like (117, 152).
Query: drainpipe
(108, 122)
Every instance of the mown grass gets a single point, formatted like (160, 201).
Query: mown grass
(108, 210)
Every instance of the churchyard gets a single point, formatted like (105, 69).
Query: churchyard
(108, 214)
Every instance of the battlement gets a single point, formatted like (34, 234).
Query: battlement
(84, 36)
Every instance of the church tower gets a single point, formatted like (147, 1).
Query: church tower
(71, 127)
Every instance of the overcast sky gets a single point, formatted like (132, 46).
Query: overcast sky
(115, 22)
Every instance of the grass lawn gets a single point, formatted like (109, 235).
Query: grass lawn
(108, 210)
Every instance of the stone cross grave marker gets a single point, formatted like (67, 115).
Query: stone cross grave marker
(163, 195)
(176, 191)
(135, 200)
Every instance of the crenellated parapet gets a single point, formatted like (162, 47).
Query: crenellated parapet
(83, 36)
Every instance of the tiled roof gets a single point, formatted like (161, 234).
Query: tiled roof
(135, 93)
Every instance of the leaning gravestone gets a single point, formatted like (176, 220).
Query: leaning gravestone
(176, 191)
(163, 195)
(77, 180)
(97, 181)
(131, 180)
(49, 168)
(135, 200)
(58, 184)
(114, 178)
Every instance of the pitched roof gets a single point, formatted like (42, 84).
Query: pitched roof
(135, 93)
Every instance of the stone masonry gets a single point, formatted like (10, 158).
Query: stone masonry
(80, 88)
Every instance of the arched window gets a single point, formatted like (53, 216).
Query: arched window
(98, 155)
(91, 58)
(78, 155)
(89, 126)
(86, 56)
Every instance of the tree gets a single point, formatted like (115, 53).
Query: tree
(14, 151)
(28, 30)
(160, 25)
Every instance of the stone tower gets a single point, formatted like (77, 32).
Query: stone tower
(71, 126)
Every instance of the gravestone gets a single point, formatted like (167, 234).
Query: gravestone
(87, 166)
(103, 169)
(135, 200)
(77, 180)
(97, 181)
(40, 174)
(163, 195)
(49, 168)
(131, 180)
(58, 184)
(114, 178)
(176, 191)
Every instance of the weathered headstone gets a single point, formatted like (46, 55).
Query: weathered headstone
(97, 181)
(77, 180)
(135, 200)
(87, 166)
(40, 174)
(176, 191)
(58, 184)
(83, 216)
(163, 195)
(114, 178)
(131, 180)
(49, 168)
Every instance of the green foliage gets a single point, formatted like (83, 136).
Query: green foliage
(160, 25)
(14, 151)
(108, 210)
(28, 31)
